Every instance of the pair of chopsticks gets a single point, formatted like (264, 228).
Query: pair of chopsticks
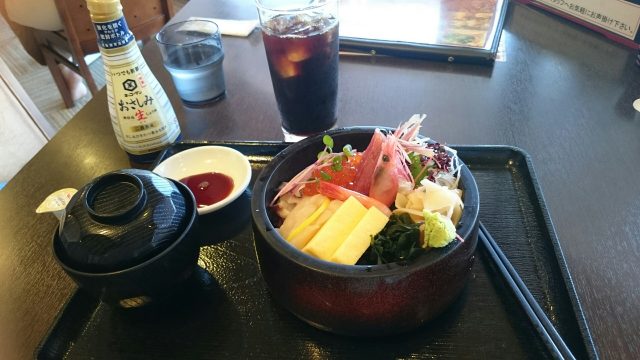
(538, 318)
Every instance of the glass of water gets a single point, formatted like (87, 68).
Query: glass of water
(192, 53)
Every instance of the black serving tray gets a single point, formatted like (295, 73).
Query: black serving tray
(226, 311)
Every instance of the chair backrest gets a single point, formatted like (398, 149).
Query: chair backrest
(144, 18)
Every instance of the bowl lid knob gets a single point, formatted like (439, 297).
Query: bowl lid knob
(125, 187)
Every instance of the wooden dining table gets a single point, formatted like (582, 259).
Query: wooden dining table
(561, 93)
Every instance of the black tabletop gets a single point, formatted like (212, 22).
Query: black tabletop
(563, 94)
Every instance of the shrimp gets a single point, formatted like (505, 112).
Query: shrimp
(364, 174)
(385, 179)
(337, 192)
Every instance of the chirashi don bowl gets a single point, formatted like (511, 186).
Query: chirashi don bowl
(358, 300)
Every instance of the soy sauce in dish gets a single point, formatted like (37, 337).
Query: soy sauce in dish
(209, 188)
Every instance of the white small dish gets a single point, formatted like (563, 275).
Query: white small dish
(203, 159)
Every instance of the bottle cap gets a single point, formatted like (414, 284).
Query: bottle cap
(103, 7)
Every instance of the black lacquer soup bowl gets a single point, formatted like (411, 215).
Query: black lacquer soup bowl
(129, 237)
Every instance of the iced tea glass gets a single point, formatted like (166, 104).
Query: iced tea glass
(301, 43)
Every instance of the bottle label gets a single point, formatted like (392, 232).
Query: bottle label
(142, 116)
(113, 34)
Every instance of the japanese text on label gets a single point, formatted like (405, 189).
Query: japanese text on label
(113, 34)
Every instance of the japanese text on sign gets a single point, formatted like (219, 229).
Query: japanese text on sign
(617, 16)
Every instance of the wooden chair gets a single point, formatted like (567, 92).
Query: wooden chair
(78, 38)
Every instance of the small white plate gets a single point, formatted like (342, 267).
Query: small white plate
(203, 159)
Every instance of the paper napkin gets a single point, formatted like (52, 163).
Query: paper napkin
(232, 27)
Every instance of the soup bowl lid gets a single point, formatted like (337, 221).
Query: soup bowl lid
(121, 219)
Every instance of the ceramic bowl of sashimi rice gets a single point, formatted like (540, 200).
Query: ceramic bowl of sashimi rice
(366, 231)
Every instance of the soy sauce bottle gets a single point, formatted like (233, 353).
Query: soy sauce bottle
(143, 119)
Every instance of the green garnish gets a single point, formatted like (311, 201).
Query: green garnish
(337, 163)
(328, 142)
(328, 146)
(398, 241)
(325, 176)
(417, 168)
(348, 150)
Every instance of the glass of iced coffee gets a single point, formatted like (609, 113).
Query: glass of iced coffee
(301, 43)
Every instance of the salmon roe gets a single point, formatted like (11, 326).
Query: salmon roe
(343, 177)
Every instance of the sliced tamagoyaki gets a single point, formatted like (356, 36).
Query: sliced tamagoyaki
(306, 218)
(359, 239)
(336, 229)
(332, 230)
